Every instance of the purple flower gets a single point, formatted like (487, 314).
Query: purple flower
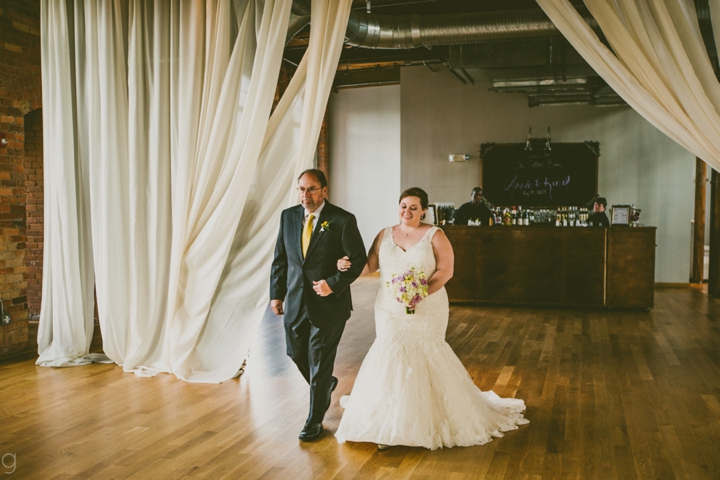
(414, 284)
(402, 289)
(423, 281)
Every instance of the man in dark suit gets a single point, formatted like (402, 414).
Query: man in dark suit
(312, 237)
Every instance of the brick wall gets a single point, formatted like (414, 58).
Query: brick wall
(20, 94)
(34, 210)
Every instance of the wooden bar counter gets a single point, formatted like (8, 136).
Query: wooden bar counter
(560, 266)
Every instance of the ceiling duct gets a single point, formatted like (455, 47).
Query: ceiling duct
(505, 46)
(368, 30)
(572, 91)
(301, 8)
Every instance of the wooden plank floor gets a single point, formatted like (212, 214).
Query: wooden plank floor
(610, 394)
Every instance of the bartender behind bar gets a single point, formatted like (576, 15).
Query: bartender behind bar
(475, 209)
(599, 218)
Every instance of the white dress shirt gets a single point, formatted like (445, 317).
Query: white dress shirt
(316, 214)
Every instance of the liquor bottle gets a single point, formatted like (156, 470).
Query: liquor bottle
(531, 217)
(513, 216)
(558, 218)
(507, 218)
(526, 218)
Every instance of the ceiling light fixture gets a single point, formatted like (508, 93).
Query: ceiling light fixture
(527, 144)
(547, 140)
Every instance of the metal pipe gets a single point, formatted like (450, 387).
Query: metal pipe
(369, 30)
(295, 26)
(301, 8)
(411, 31)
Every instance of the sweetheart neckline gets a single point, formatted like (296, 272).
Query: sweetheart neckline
(392, 239)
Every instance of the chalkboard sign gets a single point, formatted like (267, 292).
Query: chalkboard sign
(564, 175)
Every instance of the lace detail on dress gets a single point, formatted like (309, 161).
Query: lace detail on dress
(411, 388)
(395, 260)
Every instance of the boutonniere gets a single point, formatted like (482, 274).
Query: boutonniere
(325, 225)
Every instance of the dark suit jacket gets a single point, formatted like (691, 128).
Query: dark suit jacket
(292, 276)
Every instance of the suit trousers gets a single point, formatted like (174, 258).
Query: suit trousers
(313, 350)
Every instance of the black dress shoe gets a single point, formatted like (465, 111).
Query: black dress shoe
(312, 431)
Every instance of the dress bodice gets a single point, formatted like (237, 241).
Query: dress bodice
(431, 314)
(394, 260)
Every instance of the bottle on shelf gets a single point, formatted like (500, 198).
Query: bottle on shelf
(507, 217)
(513, 216)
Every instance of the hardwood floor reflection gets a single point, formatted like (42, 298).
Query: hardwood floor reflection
(610, 394)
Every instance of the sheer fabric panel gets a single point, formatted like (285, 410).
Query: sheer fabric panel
(167, 182)
(287, 149)
(658, 64)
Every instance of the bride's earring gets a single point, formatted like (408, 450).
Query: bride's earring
(422, 217)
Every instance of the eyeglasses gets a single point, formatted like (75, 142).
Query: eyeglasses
(310, 190)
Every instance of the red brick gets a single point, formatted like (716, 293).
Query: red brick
(21, 249)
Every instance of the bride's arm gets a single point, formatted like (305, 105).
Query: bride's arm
(373, 264)
(444, 260)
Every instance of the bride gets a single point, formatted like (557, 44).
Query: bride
(411, 388)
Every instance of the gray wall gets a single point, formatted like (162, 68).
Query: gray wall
(638, 164)
(365, 155)
(385, 139)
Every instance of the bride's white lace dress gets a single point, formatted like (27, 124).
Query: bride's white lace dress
(411, 388)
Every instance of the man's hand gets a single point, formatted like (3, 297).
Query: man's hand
(277, 306)
(322, 288)
(344, 263)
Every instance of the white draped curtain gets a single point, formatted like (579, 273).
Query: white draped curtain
(658, 63)
(164, 177)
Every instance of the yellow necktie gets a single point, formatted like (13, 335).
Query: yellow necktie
(307, 234)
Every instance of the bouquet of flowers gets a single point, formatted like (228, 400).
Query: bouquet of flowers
(409, 288)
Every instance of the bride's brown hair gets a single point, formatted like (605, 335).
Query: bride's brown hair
(416, 192)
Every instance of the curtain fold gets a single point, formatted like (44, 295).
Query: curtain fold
(66, 318)
(658, 64)
(169, 179)
(287, 149)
